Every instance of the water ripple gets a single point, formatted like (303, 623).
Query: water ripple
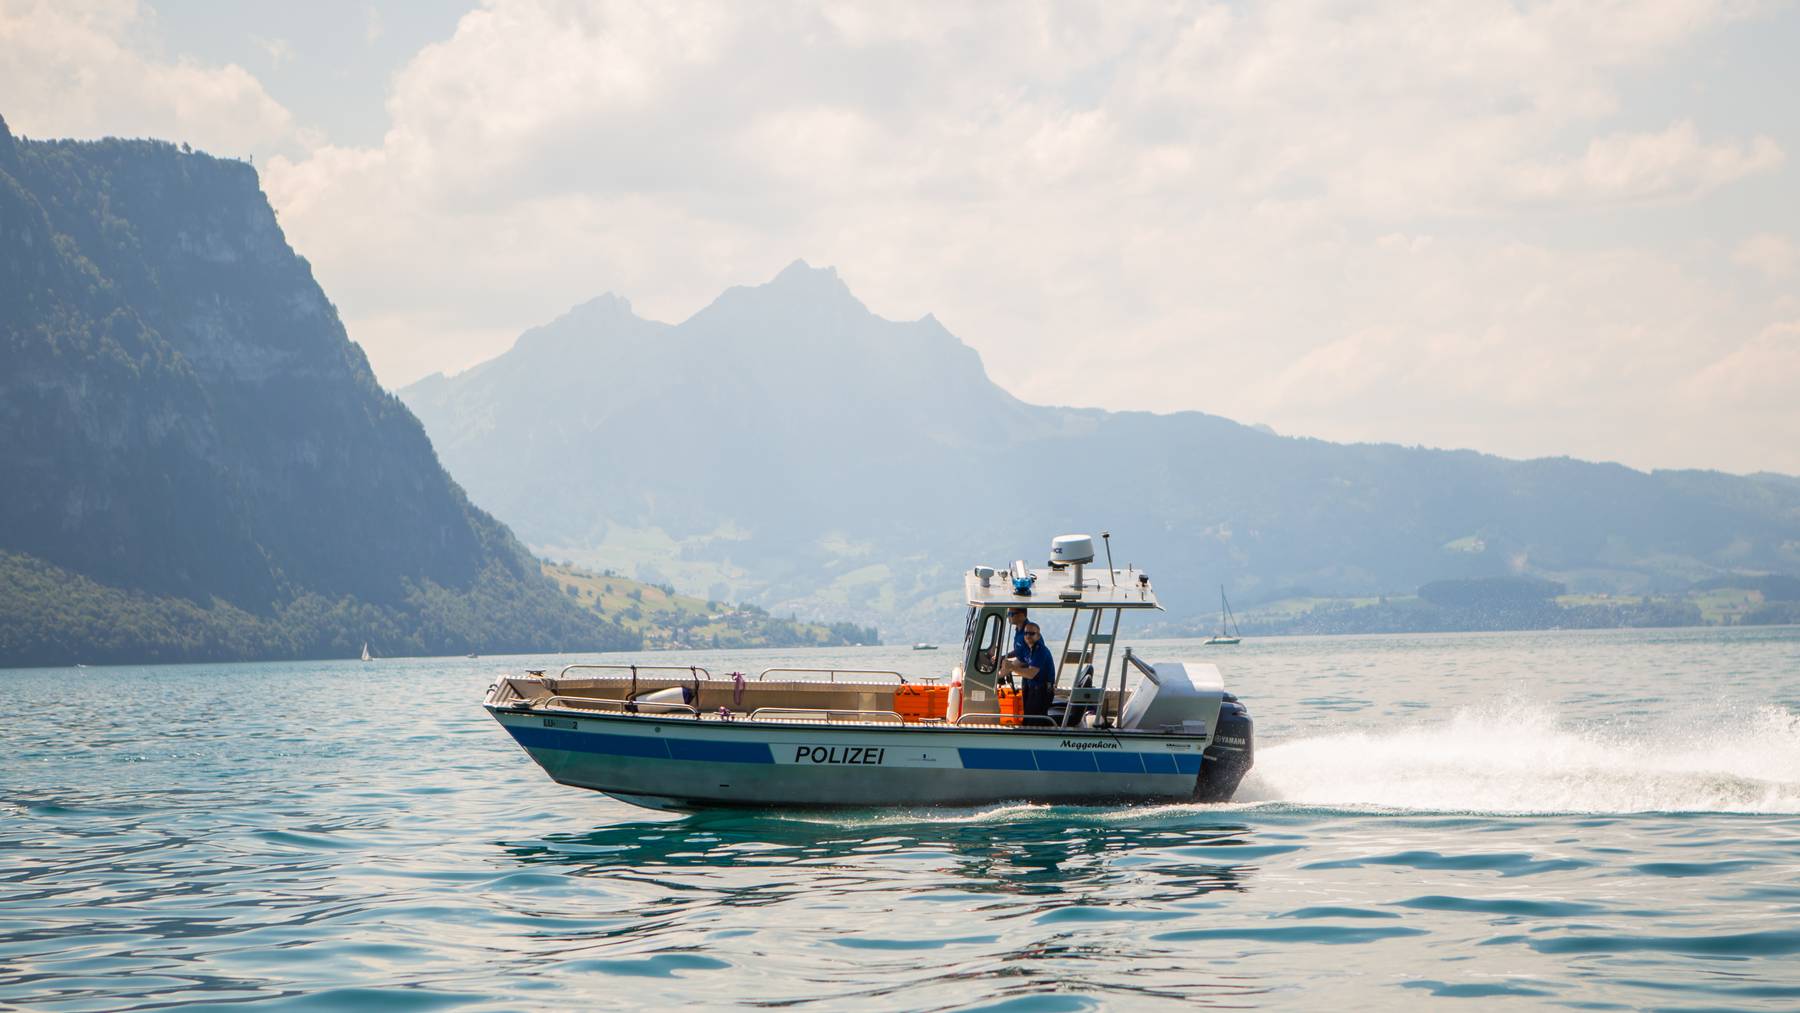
(195, 846)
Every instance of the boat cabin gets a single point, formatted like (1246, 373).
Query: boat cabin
(1080, 607)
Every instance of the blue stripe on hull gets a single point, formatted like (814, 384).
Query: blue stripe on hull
(973, 758)
(619, 745)
(652, 747)
(588, 742)
(1069, 762)
(1118, 763)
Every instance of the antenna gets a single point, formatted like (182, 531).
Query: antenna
(1106, 538)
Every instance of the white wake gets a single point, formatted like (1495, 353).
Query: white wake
(1525, 760)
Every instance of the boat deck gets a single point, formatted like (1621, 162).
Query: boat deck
(775, 696)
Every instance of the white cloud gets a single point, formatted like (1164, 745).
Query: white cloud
(1639, 167)
(1753, 385)
(1306, 212)
(1772, 255)
(1526, 351)
(1764, 372)
(278, 50)
(76, 70)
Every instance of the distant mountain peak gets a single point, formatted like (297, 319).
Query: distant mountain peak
(800, 272)
(603, 306)
(933, 325)
(800, 288)
(597, 319)
(806, 281)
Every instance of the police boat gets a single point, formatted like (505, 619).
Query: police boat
(1120, 728)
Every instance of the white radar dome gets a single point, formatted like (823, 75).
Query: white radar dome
(1065, 549)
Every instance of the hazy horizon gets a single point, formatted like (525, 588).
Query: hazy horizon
(1530, 231)
(631, 307)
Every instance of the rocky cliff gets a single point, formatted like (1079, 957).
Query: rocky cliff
(186, 426)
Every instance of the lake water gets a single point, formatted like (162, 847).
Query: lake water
(1588, 820)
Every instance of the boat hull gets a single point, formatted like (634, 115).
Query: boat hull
(688, 764)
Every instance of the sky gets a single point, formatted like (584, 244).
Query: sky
(1533, 229)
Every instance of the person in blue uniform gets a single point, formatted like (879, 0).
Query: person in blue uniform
(1035, 669)
(1016, 616)
(994, 657)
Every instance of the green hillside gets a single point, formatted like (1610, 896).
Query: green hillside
(1512, 603)
(667, 620)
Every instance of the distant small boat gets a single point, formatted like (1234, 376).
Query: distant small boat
(472, 654)
(1228, 628)
(365, 650)
(924, 647)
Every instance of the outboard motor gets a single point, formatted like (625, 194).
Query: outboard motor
(1227, 759)
(1190, 698)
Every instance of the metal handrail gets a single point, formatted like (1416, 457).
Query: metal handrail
(693, 670)
(1138, 663)
(833, 672)
(994, 719)
(803, 713)
(607, 704)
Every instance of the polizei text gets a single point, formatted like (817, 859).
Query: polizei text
(839, 754)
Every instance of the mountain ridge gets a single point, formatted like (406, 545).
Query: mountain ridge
(786, 444)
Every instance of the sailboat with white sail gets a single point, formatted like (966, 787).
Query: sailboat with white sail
(1228, 628)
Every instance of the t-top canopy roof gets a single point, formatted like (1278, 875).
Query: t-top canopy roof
(1127, 589)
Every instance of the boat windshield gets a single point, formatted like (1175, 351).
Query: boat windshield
(992, 628)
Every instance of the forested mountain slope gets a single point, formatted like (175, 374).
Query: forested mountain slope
(197, 462)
